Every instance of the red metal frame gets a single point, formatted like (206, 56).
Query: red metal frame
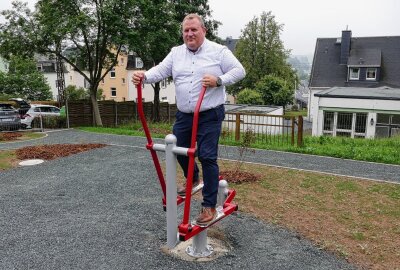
(186, 230)
(149, 146)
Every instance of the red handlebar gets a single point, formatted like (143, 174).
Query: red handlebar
(191, 150)
(191, 153)
(150, 141)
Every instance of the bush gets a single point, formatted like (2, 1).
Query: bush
(249, 96)
(50, 122)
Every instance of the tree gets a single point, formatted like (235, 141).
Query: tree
(97, 30)
(275, 90)
(202, 8)
(74, 93)
(24, 80)
(249, 96)
(160, 31)
(262, 52)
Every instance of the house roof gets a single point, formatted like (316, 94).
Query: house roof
(328, 72)
(365, 58)
(381, 93)
(134, 62)
(262, 109)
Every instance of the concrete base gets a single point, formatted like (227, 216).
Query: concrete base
(216, 239)
(220, 248)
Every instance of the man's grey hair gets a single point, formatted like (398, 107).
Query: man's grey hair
(193, 16)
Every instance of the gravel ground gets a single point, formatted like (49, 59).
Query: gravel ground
(101, 209)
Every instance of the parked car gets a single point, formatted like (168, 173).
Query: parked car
(20, 104)
(38, 110)
(9, 117)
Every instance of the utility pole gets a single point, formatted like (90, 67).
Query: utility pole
(61, 98)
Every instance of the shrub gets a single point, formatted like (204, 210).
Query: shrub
(50, 122)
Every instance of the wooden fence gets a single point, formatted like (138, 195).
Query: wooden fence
(115, 113)
(266, 128)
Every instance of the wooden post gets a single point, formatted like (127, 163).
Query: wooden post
(300, 132)
(293, 127)
(237, 127)
(116, 114)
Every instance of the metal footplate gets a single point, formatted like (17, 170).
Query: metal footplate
(186, 232)
(220, 215)
(181, 199)
(196, 189)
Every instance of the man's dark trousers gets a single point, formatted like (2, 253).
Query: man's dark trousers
(208, 132)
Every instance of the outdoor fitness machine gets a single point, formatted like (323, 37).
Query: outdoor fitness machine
(171, 200)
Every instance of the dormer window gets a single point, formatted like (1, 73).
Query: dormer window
(371, 74)
(354, 74)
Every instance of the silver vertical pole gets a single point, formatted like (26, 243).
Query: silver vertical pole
(199, 247)
(222, 194)
(172, 216)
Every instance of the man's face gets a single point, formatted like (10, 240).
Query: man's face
(193, 33)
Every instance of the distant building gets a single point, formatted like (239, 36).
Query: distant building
(71, 77)
(3, 65)
(167, 87)
(231, 44)
(115, 83)
(355, 86)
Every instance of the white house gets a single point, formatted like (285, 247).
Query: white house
(355, 86)
(71, 77)
(357, 112)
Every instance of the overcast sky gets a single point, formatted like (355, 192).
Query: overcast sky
(304, 21)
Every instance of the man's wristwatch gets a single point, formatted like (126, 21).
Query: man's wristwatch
(219, 82)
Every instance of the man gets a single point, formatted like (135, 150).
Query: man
(196, 63)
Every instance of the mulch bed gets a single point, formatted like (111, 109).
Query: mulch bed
(49, 152)
(9, 136)
(234, 176)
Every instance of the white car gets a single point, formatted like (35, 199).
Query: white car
(38, 110)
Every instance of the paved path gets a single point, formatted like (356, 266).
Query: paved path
(101, 209)
(361, 169)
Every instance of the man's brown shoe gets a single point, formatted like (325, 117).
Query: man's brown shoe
(182, 190)
(206, 216)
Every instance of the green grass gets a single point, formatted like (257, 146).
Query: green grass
(296, 113)
(159, 130)
(6, 158)
(376, 150)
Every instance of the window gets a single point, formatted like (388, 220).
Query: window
(138, 62)
(164, 83)
(123, 80)
(345, 124)
(113, 91)
(164, 99)
(55, 110)
(387, 125)
(328, 122)
(39, 67)
(361, 123)
(371, 74)
(112, 73)
(354, 74)
(122, 61)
